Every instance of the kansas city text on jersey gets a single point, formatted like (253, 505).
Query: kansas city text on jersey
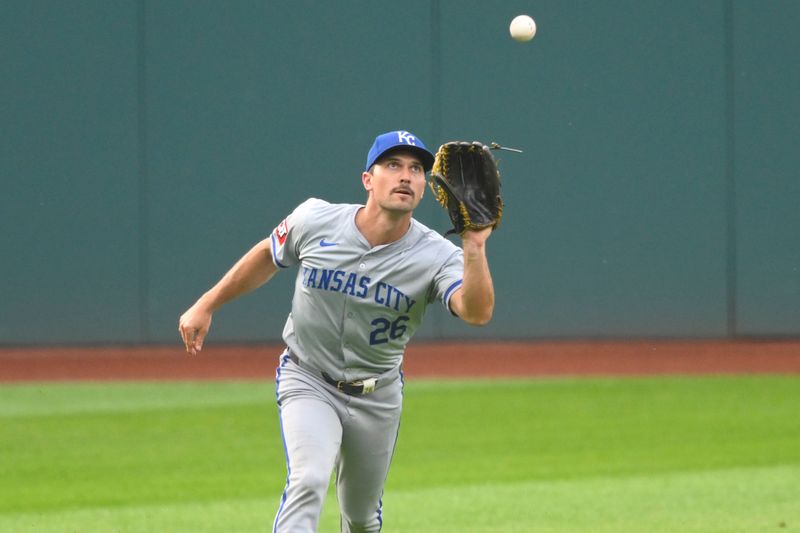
(359, 286)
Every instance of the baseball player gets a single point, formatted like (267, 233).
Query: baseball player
(365, 274)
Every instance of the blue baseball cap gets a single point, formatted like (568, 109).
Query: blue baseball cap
(399, 139)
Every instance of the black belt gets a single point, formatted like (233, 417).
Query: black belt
(352, 388)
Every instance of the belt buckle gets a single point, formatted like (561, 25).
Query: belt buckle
(360, 387)
(369, 385)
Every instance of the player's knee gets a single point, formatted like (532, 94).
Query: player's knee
(310, 482)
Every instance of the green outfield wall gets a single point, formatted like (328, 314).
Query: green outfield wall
(148, 144)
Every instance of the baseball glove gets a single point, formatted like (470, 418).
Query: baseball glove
(466, 182)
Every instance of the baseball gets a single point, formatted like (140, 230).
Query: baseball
(522, 28)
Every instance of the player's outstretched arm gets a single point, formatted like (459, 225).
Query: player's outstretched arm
(251, 271)
(474, 301)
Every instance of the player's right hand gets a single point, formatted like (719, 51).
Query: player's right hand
(193, 327)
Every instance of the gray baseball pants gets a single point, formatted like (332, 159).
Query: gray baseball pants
(325, 429)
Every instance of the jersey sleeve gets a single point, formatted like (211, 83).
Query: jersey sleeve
(288, 236)
(449, 277)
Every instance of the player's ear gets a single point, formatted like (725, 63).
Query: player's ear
(366, 179)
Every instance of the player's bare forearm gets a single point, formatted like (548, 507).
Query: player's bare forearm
(251, 271)
(474, 302)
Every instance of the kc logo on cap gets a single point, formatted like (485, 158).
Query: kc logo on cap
(405, 137)
(400, 138)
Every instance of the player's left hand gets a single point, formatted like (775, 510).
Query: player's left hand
(466, 182)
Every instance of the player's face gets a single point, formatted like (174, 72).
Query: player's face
(397, 182)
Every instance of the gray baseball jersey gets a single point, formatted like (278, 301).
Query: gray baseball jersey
(355, 306)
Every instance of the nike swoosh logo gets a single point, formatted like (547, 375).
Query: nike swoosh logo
(323, 242)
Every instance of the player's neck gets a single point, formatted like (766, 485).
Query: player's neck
(381, 227)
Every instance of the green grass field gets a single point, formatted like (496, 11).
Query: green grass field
(707, 454)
